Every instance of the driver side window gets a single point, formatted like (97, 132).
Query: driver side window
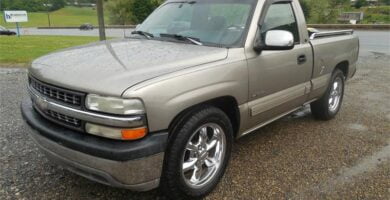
(280, 16)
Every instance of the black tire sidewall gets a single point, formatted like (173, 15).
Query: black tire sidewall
(337, 74)
(320, 108)
(172, 174)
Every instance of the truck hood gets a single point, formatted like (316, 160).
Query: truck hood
(110, 67)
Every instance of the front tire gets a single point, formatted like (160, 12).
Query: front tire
(329, 105)
(198, 154)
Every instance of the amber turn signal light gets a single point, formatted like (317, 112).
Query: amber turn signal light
(116, 133)
(134, 134)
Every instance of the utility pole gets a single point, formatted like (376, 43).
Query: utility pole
(48, 13)
(48, 18)
(102, 32)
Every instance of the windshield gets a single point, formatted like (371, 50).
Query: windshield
(211, 22)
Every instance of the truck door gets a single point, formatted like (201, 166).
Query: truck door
(279, 81)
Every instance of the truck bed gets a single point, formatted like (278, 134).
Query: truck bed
(332, 48)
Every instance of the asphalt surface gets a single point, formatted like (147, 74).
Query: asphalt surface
(296, 157)
(374, 42)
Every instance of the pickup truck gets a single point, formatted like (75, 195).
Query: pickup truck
(163, 107)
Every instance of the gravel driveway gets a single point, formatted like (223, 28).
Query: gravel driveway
(294, 158)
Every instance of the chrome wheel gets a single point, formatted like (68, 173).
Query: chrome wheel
(335, 94)
(204, 154)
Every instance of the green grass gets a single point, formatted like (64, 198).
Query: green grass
(378, 14)
(68, 16)
(21, 51)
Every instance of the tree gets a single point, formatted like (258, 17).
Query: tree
(306, 8)
(31, 5)
(324, 11)
(56, 4)
(384, 2)
(360, 3)
(141, 9)
(120, 12)
(130, 11)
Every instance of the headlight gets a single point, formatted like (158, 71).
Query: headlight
(114, 105)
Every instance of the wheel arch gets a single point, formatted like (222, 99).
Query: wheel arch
(344, 67)
(228, 104)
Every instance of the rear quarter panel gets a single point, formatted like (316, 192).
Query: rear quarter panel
(328, 53)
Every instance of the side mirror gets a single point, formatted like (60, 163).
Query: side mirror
(276, 40)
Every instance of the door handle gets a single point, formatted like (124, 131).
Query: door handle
(301, 59)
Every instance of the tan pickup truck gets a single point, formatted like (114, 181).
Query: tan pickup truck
(163, 106)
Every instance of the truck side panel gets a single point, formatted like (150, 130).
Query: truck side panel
(329, 52)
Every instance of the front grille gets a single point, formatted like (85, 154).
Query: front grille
(64, 118)
(62, 95)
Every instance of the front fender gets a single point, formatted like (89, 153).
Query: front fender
(166, 97)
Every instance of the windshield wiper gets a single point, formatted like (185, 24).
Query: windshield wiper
(181, 37)
(143, 33)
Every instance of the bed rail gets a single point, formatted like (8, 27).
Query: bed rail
(330, 33)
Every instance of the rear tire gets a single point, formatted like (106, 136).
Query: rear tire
(198, 154)
(329, 105)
